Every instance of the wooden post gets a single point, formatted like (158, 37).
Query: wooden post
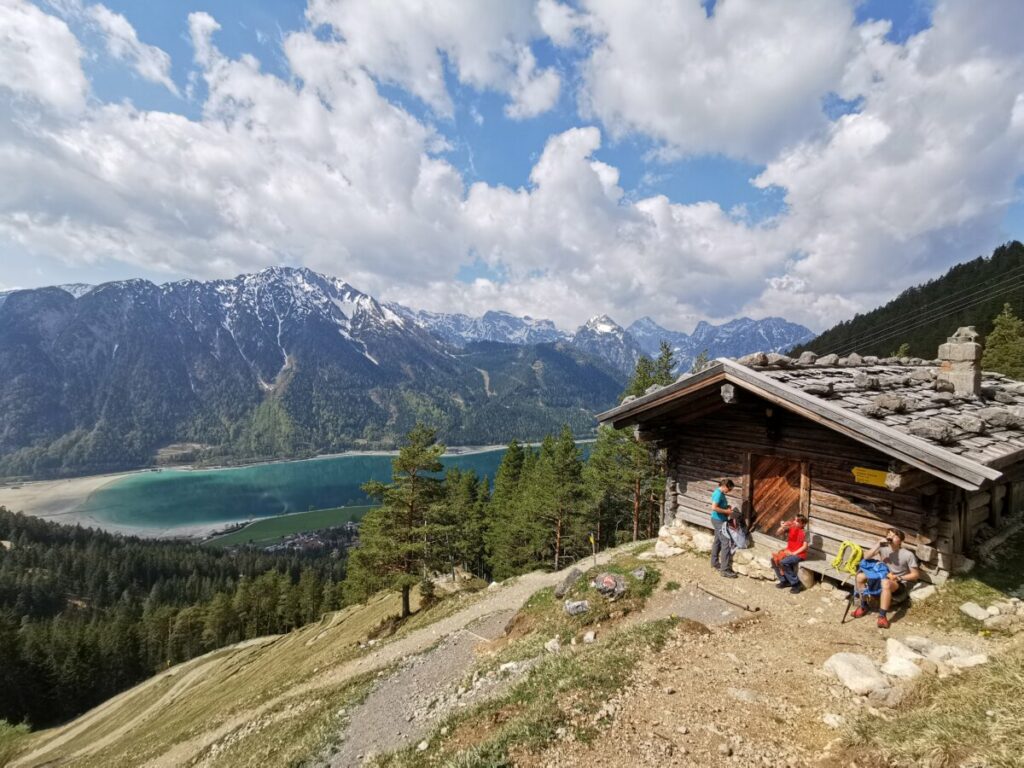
(746, 504)
(805, 488)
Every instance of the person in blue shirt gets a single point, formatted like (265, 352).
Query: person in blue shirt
(722, 546)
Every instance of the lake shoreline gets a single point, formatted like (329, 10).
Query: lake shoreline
(61, 501)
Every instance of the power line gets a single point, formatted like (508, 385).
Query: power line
(947, 301)
(932, 317)
(919, 320)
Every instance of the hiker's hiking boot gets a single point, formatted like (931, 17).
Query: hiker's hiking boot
(797, 589)
(730, 574)
(861, 611)
(883, 622)
(782, 585)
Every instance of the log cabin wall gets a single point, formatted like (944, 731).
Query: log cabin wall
(722, 444)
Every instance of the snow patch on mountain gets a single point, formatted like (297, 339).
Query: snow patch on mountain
(732, 339)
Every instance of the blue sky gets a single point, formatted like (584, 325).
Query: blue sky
(557, 159)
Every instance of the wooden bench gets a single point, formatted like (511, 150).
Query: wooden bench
(809, 569)
(824, 569)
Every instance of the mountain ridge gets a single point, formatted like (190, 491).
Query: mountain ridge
(284, 362)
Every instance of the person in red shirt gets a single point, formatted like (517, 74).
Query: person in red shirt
(786, 561)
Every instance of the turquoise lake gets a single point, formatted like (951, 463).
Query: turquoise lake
(180, 497)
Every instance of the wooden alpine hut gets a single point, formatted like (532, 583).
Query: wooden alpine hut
(857, 444)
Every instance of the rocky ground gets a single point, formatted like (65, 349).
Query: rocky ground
(755, 690)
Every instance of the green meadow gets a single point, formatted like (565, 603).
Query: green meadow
(272, 529)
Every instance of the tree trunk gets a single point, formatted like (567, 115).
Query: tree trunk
(406, 610)
(636, 509)
(558, 540)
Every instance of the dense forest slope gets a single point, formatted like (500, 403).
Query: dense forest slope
(282, 363)
(922, 317)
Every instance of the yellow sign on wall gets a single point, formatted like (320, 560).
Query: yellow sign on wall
(866, 476)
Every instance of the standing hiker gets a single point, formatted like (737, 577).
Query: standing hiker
(903, 570)
(722, 547)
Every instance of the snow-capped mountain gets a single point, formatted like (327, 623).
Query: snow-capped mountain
(604, 338)
(732, 339)
(277, 363)
(459, 330)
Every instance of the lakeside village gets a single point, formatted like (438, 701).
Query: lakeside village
(335, 540)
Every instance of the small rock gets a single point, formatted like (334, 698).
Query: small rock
(724, 750)
(922, 592)
(945, 652)
(974, 610)
(553, 645)
(662, 549)
(590, 637)
(966, 662)
(669, 690)
(567, 583)
(508, 666)
(742, 694)
(576, 607)
(682, 729)
(833, 720)
(423, 746)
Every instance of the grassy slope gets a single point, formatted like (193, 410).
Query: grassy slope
(148, 720)
(269, 530)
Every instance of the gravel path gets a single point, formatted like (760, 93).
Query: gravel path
(510, 596)
(404, 707)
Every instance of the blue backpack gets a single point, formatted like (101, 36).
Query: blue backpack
(875, 571)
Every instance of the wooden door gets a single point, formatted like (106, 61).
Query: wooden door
(776, 492)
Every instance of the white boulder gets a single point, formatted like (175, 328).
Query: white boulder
(899, 666)
(923, 592)
(975, 611)
(920, 644)
(553, 645)
(664, 549)
(894, 649)
(702, 541)
(965, 662)
(857, 672)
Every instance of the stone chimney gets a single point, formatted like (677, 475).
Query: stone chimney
(960, 362)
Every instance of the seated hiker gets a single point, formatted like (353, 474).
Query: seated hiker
(786, 561)
(903, 570)
(722, 547)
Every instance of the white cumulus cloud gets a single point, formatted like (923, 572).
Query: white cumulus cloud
(122, 42)
(40, 58)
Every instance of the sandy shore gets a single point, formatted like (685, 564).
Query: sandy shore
(59, 501)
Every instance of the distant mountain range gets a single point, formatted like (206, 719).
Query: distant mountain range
(732, 339)
(288, 362)
(284, 362)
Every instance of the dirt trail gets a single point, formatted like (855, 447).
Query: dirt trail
(508, 597)
(751, 692)
(397, 711)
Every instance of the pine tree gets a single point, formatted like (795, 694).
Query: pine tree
(621, 475)
(501, 510)
(642, 378)
(700, 362)
(664, 365)
(393, 549)
(1004, 347)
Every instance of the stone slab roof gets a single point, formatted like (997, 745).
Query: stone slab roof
(904, 394)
